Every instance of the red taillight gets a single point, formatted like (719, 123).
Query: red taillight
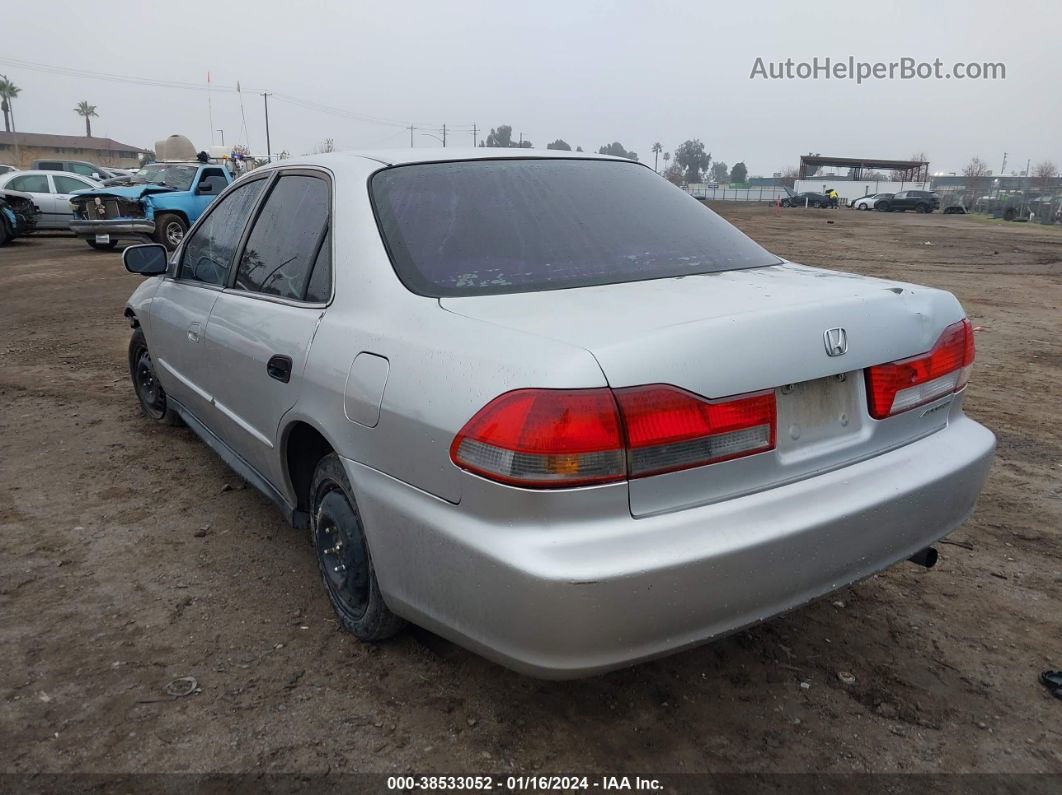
(557, 438)
(544, 438)
(900, 386)
(670, 429)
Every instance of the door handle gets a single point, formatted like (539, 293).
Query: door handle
(279, 367)
(193, 332)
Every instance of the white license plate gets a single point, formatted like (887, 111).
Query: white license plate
(103, 239)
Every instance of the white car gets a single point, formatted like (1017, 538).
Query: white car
(869, 202)
(51, 192)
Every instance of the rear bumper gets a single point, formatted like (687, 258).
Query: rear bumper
(132, 228)
(558, 592)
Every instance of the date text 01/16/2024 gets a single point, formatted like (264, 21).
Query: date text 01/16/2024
(521, 783)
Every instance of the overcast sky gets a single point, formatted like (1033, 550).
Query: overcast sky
(587, 72)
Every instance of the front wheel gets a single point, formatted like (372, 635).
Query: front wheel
(881, 207)
(102, 246)
(170, 230)
(149, 391)
(922, 208)
(343, 556)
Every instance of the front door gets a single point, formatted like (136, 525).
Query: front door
(181, 308)
(40, 188)
(261, 327)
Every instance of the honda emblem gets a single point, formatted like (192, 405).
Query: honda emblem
(836, 340)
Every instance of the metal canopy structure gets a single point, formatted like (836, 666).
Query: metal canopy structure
(908, 170)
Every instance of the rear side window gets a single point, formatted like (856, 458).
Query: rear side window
(68, 184)
(83, 169)
(503, 226)
(50, 165)
(287, 238)
(31, 183)
(209, 250)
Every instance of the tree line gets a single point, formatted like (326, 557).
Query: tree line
(690, 164)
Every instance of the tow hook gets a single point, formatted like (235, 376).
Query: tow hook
(926, 557)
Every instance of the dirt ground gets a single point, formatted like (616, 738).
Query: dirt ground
(131, 556)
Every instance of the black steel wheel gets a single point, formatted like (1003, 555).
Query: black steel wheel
(149, 391)
(343, 556)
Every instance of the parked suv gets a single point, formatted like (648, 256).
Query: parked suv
(551, 407)
(921, 201)
(82, 167)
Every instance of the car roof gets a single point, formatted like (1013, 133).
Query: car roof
(396, 157)
(46, 171)
(6, 177)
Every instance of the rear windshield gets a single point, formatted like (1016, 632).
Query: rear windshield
(480, 227)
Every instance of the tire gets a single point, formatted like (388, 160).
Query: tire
(149, 392)
(5, 236)
(882, 207)
(170, 230)
(786, 203)
(922, 208)
(102, 246)
(343, 557)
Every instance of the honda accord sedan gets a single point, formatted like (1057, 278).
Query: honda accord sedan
(551, 407)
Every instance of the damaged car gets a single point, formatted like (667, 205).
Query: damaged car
(160, 202)
(18, 215)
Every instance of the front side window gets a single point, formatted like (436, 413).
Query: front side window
(477, 227)
(209, 250)
(286, 240)
(31, 183)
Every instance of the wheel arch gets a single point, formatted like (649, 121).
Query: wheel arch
(303, 445)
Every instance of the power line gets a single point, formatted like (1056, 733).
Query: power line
(186, 86)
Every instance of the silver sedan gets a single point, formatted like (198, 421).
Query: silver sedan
(551, 407)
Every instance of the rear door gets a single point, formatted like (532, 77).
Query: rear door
(181, 308)
(64, 186)
(261, 326)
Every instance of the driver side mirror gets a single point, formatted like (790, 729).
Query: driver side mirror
(148, 259)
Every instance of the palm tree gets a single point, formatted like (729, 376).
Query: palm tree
(8, 91)
(86, 110)
(667, 156)
(657, 149)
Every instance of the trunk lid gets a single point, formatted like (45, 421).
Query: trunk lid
(735, 332)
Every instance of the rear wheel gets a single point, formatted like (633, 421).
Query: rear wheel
(922, 208)
(149, 391)
(102, 246)
(169, 230)
(5, 236)
(786, 203)
(343, 556)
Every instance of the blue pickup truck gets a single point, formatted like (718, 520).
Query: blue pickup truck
(160, 202)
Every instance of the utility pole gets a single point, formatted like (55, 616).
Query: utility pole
(14, 131)
(521, 140)
(474, 141)
(1003, 168)
(411, 136)
(444, 135)
(269, 151)
(222, 136)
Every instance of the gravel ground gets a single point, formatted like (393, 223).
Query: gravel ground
(131, 556)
